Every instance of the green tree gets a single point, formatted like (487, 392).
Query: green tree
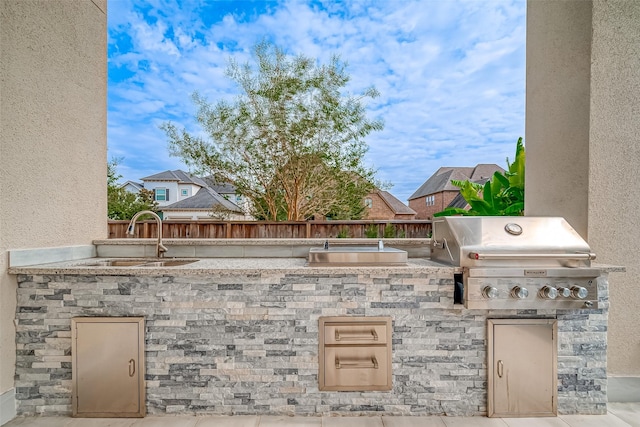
(502, 195)
(289, 142)
(122, 204)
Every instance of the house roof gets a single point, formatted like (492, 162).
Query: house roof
(458, 202)
(138, 186)
(395, 204)
(441, 180)
(204, 199)
(219, 188)
(177, 175)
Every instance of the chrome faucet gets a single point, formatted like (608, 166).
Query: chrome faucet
(160, 248)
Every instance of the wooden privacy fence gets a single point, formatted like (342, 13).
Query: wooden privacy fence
(210, 229)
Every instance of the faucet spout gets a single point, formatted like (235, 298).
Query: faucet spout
(160, 248)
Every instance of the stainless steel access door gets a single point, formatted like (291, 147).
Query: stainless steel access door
(108, 367)
(522, 362)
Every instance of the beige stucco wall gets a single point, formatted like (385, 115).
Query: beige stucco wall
(557, 110)
(583, 142)
(614, 165)
(53, 82)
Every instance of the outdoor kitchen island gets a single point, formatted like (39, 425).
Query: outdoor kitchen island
(240, 336)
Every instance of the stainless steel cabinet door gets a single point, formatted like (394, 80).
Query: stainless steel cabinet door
(108, 367)
(522, 368)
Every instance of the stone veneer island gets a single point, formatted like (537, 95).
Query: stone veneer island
(240, 336)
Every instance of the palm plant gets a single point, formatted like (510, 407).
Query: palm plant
(502, 195)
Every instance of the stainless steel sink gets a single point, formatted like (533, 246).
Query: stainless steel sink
(115, 263)
(139, 263)
(356, 256)
(169, 263)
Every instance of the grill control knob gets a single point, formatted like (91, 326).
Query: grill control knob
(489, 292)
(564, 292)
(519, 292)
(578, 292)
(547, 292)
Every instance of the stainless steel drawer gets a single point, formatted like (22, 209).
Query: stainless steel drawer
(356, 368)
(355, 333)
(354, 353)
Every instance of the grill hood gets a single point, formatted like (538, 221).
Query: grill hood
(508, 242)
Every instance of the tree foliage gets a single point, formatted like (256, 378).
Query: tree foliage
(502, 195)
(291, 142)
(122, 204)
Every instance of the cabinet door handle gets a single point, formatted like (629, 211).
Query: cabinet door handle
(132, 367)
(500, 368)
(370, 335)
(357, 365)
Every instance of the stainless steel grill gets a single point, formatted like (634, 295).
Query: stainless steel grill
(517, 262)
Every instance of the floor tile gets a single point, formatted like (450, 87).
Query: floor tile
(535, 422)
(275, 421)
(608, 420)
(352, 422)
(623, 389)
(102, 422)
(627, 412)
(473, 422)
(228, 421)
(432, 421)
(14, 422)
(166, 421)
(39, 422)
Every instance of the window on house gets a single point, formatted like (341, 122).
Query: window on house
(185, 192)
(161, 194)
(430, 200)
(368, 203)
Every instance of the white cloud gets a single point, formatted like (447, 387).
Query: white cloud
(450, 73)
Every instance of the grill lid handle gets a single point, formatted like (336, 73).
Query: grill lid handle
(580, 256)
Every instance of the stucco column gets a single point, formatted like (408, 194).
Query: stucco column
(614, 171)
(557, 110)
(583, 142)
(53, 141)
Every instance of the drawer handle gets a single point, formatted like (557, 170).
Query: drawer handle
(132, 367)
(372, 334)
(357, 365)
(500, 368)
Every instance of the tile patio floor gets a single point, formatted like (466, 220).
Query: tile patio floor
(621, 414)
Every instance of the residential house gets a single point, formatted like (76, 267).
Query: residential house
(181, 195)
(172, 186)
(132, 186)
(384, 205)
(438, 192)
(205, 204)
(228, 191)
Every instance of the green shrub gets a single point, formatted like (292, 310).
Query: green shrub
(371, 231)
(389, 231)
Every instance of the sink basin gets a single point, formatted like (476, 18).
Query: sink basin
(170, 263)
(356, 256)
(115, 263)
(139, 263)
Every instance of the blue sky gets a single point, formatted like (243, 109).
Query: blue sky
(451, 73)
